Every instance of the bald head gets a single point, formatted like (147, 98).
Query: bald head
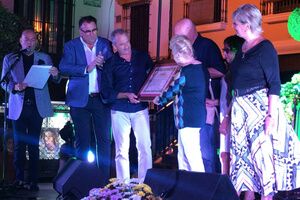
(187, 28)
(28, 40)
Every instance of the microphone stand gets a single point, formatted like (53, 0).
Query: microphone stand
(4, 186)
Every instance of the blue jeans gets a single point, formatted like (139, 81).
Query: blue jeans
(208, 141)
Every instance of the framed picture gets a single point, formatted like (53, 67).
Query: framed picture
(50, 143)
(95, 3)
(158, 81)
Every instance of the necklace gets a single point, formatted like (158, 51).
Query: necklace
(250, 44)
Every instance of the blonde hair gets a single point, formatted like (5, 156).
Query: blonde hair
(249, 14)
(181, 44)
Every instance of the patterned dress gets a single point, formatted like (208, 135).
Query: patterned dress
(262, 163)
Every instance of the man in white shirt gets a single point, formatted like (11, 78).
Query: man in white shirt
(82, 61)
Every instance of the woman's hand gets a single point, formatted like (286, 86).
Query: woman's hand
(269, 125)
(156, 100)
(273, 101)
(211, 102)
(224, 125)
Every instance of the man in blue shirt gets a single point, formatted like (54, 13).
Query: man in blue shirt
(123, 76)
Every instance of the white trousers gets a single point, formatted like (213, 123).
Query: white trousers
(122, 123)
(189, 152)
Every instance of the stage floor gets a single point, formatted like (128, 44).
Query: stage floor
(46, 192)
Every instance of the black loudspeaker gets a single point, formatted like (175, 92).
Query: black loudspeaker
(76, 179)
(178, 185)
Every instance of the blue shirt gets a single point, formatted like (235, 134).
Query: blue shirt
(120, 75)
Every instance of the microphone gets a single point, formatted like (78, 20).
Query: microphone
(22, 51)
(15, 57)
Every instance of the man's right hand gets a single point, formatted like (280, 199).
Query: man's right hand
(20, 87)
(128, 95)
(99, 61)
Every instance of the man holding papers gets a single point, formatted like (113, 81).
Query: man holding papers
(27, 105)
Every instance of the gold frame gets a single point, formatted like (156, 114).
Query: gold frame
(158, 81)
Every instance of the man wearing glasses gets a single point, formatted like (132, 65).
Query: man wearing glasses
(82, 61)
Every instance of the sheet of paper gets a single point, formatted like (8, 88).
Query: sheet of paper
(37, 76)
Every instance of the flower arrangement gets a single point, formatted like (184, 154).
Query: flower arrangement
(117, 190)
(289, 96)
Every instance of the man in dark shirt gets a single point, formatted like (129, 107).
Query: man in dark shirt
(123, 76)
(27, 106)
(210, 55)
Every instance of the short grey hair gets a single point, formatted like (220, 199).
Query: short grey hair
(249, 14)
(180, 43)
(118, 31)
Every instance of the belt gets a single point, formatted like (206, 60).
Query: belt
(92, 95)
(242, 92)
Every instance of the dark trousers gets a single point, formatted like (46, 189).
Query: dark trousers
(27, 131)
(209, 143)
(93, 120)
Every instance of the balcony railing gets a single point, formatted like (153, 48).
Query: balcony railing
(278, 6)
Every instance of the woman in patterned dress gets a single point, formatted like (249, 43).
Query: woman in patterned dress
(264, 148)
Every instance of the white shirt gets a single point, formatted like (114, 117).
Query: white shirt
(90, 55)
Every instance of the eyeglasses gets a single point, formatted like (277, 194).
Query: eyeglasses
(89, 31)
(226, 50)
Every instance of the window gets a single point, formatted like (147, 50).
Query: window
(51, 19)
(278, 6)
(136, 22)
(206, 11)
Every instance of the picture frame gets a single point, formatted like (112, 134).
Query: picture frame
(158, 81)
(94, 3)
(49, 143)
